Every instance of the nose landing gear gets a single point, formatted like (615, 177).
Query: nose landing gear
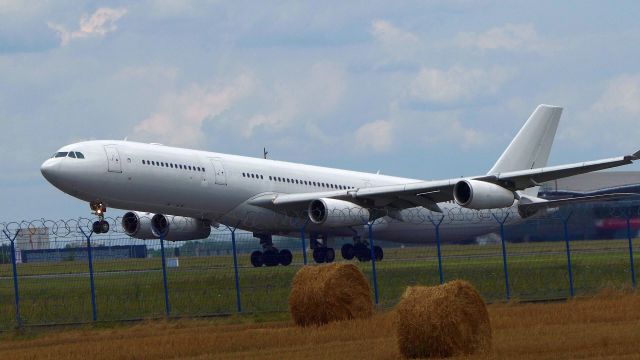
(101, 226)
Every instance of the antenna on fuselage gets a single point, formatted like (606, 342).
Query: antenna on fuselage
(265, 152)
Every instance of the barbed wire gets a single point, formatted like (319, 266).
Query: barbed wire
(348, 216)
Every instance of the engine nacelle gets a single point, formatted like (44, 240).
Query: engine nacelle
(138, 225)
(335, 213)
(479, 195)
(179, 228)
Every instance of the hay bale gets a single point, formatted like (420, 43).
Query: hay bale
(332, 292)
(442, 321)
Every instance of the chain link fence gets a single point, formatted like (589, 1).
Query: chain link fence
(61, 272)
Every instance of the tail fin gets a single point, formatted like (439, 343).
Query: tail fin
(531, 147)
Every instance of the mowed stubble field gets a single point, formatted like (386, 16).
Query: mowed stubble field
(54, 293)
(605, 326)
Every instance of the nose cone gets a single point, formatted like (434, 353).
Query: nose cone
(51, 171)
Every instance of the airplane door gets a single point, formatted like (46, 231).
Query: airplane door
(113, 159)
(221, 176)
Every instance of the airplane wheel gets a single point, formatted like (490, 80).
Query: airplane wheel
(362, 252)
(378, 253)
(104, 227)
(96, 227)
(270, 257)
(256, 258)
(319, 255)
(348, 252)
(329, 255)
(285, 257)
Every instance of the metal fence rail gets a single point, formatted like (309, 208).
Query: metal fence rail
(55, 272)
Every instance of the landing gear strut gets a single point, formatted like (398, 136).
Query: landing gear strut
(270, 256)
(101, 226)
(321, 252)
(361, 250)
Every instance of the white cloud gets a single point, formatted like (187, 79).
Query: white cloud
(457, 83)
(621, 94)
(180, 116)
(611, 121)
(376, 136)
(101, 22)
(302, 99)
(513, 37)
(386, 33)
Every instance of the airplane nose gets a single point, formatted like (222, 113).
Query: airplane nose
(50, 169)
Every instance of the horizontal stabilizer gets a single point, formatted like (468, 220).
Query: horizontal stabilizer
(528, 206)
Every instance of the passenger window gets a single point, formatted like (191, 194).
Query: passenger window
(61, 154)
(143, 162)
(261, 177)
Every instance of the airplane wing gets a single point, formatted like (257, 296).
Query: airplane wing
(429, 193)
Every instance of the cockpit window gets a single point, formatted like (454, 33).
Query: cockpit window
(72, 154)
(79, 155)
(61, 154)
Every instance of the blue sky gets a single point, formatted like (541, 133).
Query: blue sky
(425, 89)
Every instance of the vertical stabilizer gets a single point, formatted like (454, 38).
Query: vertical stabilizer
(531, 147)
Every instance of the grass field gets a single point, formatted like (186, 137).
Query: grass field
(605, 326)
(133, 289)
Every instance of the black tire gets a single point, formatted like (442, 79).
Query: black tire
(256, 258)
(378, 253)
(348, 252)
(362, 252)
(329, 255)
(270, 257)
(96, 227)
(319, 255)
(285, 257)
(104, 227)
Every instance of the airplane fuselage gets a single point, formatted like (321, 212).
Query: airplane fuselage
(218, 187)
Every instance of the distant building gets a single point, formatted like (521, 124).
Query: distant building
(36, 238)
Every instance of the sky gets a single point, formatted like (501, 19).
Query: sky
(422, 89)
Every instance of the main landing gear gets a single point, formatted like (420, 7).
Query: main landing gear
(361, 251)
(101, 226)
(270, 256)
(321, 252)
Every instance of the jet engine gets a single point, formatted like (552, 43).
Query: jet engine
(179, 228)
(336, 213)
(479, 195)
(141, 225)
(138, 225)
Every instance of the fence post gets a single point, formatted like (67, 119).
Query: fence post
(167, 305)
(15, 275)
(565, 225)
(303, 243)
(630, 238)
(94, 312)
(504, 254)
(235, 268)
(437, 227)
(373, 263)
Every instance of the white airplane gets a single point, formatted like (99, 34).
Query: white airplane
(180, 193)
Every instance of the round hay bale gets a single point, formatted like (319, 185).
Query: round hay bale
(442, 321)
(325, 293)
